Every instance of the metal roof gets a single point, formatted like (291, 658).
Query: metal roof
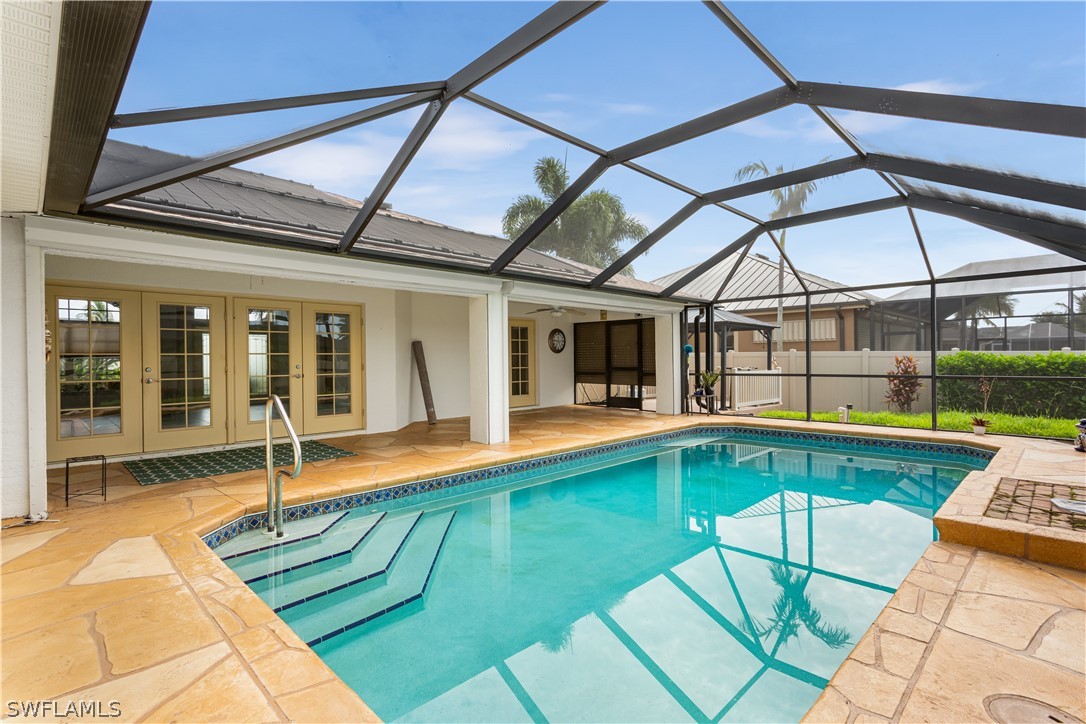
(758, 276)
(238, 200)
(1009, 275)
(738, 321)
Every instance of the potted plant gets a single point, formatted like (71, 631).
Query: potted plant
(980, 425)
(706, 381)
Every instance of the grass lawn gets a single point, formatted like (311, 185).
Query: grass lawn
(948, 420)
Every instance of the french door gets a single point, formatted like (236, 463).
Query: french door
(94, 390)
(522, 367)
(133, 371)
(309, 354)
(184, 371)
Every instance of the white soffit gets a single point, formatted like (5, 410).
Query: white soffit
(28, 53)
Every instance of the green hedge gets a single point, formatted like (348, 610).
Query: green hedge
(1040, 397)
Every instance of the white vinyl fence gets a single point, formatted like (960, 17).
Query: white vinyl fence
(828, 394)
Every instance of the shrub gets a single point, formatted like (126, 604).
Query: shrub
(901, 384)
(1040, 397)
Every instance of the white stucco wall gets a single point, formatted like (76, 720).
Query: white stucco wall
(555, 371)
(440, 322)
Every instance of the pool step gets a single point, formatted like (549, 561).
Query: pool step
(330, 615)
(252, 541)
(340, 540)
(367, 567)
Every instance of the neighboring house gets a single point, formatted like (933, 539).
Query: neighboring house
(959, 324)
(835, 315)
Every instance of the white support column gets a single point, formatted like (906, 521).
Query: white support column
(22, 349)
(488, 332)
(36, 378)
(668, 371)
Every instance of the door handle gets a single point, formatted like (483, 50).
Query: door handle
(298, 375)
(150, 381)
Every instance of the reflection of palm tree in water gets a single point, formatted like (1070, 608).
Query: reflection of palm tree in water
(793, 610)
(562, 639)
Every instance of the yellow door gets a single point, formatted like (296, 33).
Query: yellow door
(522, 371)
(267, 361)
(184, 371)
(93, 372)
(332, 345)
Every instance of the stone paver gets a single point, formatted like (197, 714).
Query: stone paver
(123, 601)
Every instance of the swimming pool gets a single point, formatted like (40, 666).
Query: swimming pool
(712, 574)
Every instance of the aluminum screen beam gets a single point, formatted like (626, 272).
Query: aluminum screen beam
(218, 110)
(222, 160)
(552, 212)
(840, 212)
(744, 110)
(732, 272)
(755, 46)
(535, 32)
(392, 174)
(747, 238)
(591, 148)
(979, 179)
(788, 178)
(1059, 248)
(990, 112)
(1071, 238)
(777, 68)
(714, 121)
(642, 246)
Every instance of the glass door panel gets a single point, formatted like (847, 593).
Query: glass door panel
(522, 387)
(268, 361)
(93, 372)
(184, 371)
(333, 359)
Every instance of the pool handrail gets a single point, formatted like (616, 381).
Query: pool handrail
(275, 480)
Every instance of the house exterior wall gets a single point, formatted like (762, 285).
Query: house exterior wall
(440, 322)
(748, 341)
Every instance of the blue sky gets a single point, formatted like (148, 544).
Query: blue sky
(627, 70)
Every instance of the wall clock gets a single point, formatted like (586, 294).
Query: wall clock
(557, 340)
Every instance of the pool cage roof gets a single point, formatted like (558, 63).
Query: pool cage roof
(98, 42)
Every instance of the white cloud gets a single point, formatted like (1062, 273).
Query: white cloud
(467, 137)
(353, 161)
(939, 85)
(629, 109)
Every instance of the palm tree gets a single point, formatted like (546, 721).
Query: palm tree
(793, 609)
(589, 231)
(790, 200)
(1064, 310)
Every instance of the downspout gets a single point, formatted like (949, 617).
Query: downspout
(840, 326)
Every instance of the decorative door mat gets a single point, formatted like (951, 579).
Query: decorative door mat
(203, 465)
(1029, 501)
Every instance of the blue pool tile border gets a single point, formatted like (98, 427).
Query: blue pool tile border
(422, 491)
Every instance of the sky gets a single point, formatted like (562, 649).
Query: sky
(627, 70)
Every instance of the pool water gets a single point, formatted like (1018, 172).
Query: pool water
(725, 579)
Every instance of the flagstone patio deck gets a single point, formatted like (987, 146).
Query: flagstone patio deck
(122, 601)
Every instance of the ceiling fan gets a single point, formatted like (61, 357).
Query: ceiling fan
(557, 311)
